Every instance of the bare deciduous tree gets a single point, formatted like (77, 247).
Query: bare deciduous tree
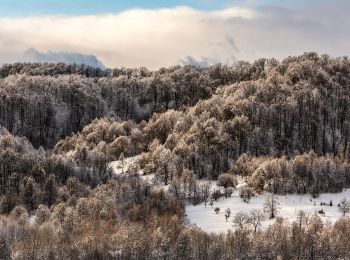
(344, 206)
(240, 219)
(255, 218)
(227, 214)
(271, 206)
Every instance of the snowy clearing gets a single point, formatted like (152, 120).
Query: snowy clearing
(207, 219)
(121, 167)
(289, 205)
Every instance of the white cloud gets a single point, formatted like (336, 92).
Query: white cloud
(164, 37)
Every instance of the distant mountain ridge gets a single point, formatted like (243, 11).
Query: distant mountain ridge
(33, 55)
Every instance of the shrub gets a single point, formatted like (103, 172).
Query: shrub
(228, 192)
(246, 194)
(227, 180)
(216, 194)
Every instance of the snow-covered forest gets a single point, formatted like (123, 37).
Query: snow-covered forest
(249, 161)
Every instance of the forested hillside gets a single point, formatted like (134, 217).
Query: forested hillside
(282, 126)
(46, 102)
(291, 108)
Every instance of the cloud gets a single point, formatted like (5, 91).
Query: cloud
(164, 37)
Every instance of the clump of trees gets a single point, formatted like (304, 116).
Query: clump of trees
(51, 69)
(33, 177)
(119, 215)
(306, 173)
(68, 234)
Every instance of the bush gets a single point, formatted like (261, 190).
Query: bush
(246, 194)
(216, 194)
(227, 180)
(42, 214)
(228, 192)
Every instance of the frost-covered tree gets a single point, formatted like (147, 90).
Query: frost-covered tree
(42, 214)
(344, 206)
(271, 206)
(183, 247)
(240, 219)
(255, 218)
(227, 214)
(5, 253)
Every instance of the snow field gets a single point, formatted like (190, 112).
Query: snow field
(289, 205)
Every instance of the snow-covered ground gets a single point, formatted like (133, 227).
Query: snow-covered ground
(121, 167)
(289, 205)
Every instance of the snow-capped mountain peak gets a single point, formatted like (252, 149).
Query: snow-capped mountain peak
(33, 55)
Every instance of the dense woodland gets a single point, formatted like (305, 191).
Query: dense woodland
(283, 126)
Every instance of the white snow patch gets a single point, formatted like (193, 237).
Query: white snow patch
(289, 205)
(32, 220)
(148, 178)
(122, 166)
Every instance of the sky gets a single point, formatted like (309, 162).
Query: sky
(157, 33)
(20, 8)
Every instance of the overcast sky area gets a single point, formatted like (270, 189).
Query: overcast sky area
(157, 33)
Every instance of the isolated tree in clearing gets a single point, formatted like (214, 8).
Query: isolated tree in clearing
(255, 218)
(227, 214)
(271, 206)
(240, 220)
(344, 206)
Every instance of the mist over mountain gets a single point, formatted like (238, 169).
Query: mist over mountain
(35, 56)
